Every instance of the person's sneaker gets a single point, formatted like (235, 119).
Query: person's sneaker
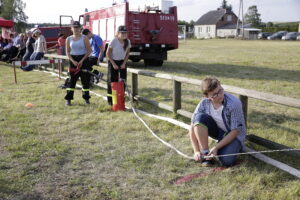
(87, 101)
(207, 162)
(68, 103)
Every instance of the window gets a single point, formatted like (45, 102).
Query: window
(208, 29)
(229, 18)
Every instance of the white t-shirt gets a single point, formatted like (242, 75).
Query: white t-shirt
(216, 114)
(118, 52)
(38, 45)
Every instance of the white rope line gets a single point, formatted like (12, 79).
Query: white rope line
(178, 123)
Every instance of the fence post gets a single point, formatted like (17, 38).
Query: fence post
(176, 96)
(244, 101)
(134, 82)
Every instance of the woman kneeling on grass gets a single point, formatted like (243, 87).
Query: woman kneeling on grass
(78, 50)
(118, 53)
(220, 116)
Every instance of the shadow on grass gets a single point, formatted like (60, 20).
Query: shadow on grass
(226, 71)
(271, 120)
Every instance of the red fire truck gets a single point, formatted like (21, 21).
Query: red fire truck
(152, 32)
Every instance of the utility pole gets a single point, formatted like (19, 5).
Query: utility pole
(241, 8)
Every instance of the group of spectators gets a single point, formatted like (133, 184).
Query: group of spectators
(12, 48)
(24, 46)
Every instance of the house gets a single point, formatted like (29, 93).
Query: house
(229, 31)
(207, 26)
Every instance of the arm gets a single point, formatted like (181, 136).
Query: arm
(88, 51)
(44, 45)
(109, 51)
(100, 45)
(101, 53)
(125, 59)
(68, 52)
(236, 121)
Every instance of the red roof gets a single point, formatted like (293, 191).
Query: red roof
(6, 23)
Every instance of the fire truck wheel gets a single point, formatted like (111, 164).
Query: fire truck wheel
(153, 63)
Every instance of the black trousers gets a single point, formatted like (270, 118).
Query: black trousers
(84, 77)
(93, 60)
(113, 76)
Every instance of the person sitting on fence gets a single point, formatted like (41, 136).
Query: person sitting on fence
(29, 46)
(40, 48)
(4, 53)
(220, 116)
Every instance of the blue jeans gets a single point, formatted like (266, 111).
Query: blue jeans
(34, 56)
(216, 133)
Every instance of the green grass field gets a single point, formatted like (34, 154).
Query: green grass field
(51, 151)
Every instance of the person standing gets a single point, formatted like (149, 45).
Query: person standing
(118, 54)
(29, 46)
(78, 49)
(220, 116)
(40, 48)
(96, 45)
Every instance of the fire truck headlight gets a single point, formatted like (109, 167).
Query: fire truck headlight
(147, 45)
(163, 46)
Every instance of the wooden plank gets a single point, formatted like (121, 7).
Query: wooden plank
(134, 84)
(176, 96)
(272, 145)
(275, 163)
(292, 102)
(244, 101)
(155, 103)
(185, 113)
(15, 73)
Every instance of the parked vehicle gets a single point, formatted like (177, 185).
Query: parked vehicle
(152, 32)
(277, 35)
(51, 34)
(298, 38)
(263, 35)
(291, 36)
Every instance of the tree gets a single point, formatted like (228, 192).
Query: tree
(14, 10)
(252, 16)
(226, 6)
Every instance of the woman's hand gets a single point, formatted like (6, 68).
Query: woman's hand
(79, 65)
(116, 67)
(123, 66)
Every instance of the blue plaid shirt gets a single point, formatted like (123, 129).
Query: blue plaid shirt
(233, 116)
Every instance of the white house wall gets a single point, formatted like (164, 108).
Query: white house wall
(223, 33)
(205, 31)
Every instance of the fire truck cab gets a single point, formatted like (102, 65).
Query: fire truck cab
(152, 32)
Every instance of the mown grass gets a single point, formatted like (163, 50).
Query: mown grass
(50, 151)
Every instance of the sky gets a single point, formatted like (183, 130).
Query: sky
(40, 11)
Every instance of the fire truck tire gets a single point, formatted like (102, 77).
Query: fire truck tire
(153, 63)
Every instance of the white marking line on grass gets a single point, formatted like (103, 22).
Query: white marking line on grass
(248, 151)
